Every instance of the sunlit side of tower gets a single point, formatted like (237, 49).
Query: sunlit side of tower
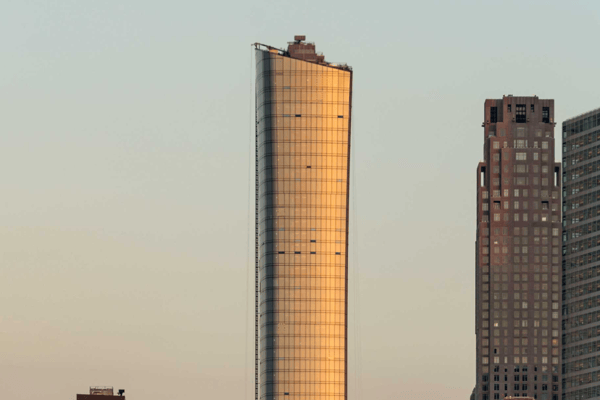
(303, 108)
(518, 253)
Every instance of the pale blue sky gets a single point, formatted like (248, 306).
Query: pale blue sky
(124, 145)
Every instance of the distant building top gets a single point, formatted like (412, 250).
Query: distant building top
(102, 390)
(585, 114)
(300, 49)
(105, 391)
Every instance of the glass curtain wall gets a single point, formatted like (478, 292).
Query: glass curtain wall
(303, 143)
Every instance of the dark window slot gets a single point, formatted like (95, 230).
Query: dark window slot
(298, 115)
(546, 114)
(521, 116)
(494, 115)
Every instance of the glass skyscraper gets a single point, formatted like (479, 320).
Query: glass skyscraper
(303, 109)
(518, 253)
(581, 257)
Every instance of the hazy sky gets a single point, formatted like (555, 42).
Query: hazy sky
(124, 162)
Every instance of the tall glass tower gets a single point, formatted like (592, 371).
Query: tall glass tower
(303, 107)
(518, 253)
(581, 259)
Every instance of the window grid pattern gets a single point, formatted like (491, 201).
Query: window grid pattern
(581, 250)
(303, 132)
(518, 271)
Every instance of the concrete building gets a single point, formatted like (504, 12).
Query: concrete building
(303, 114)
(518, 253)
(581, 256)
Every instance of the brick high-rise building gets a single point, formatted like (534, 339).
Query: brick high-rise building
(518, 253)
(303, 108)
(581, 258)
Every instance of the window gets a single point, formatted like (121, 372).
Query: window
(532, 108)
(546, 114)
(508, 107)
(493, 115)
(520, 113)
(544, 145)
(521, 156)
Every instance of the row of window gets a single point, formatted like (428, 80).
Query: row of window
(580, 365)
(582, 171)
(517, 342)
(544, 396)
(521, 250)
(580, 156)
(521, 156)
(523, 378)
(578, 276)
(535, 240)
(523, 386)
(520, 113)
(581, 260)
(582, 215)
(583, 394)
(519, 278)
(520, 193)
(519, 144)
(586, 184)
(581, 305)
(581, 290)
(581, 350)
(518, 296)
(518, 230)
(585, 229)
(524, 360)
(573, 322)
(517, 217)
(536, 286)
(521, 132)
(582, 245)
(519, 333)
(582, 334)
(521, 169)
(573, 144)
(580, 201)
(522, 180)
(520, 305)
(575, 127)
(522, 323)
